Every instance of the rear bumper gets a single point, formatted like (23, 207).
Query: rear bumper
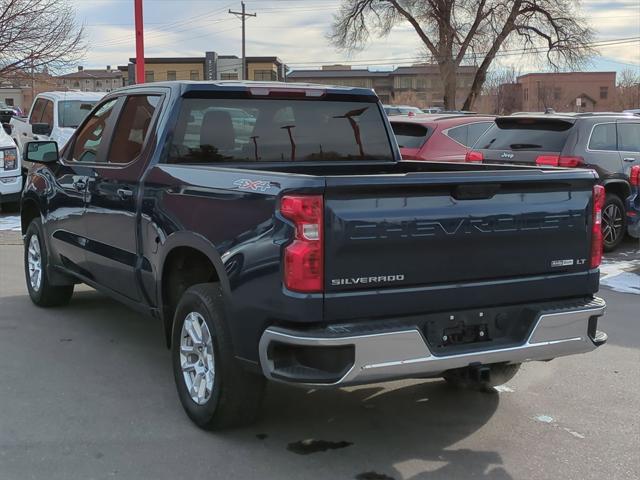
(388, 355)
(10, 187)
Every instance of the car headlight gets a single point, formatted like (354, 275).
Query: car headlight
(9, 159)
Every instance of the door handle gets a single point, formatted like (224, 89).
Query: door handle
(629, 159)
(124, 193)
(79, 185)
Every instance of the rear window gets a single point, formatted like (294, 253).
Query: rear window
(526, 134)
(272, 130)
(410, 135)
(71, 113)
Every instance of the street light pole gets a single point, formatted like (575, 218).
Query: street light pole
(243, 16)
(139, 42)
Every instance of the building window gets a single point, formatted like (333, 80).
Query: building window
(229, 76)
(604, 93)
(9, 102)
(264, 75)
(98, 84)
(195, 75)
(557, 92)
(405, 82)
(149, 76)
(171, 75)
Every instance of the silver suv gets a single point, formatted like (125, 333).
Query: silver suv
(608, 143)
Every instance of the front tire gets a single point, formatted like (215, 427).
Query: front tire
(41, 291)
(614, 222)
(214, 389)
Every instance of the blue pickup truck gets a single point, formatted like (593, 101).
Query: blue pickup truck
(275, 234)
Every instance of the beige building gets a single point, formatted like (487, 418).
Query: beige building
(419, 85)
(210, 67)
(92, 80)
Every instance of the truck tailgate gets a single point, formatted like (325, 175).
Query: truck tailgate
(457, 236)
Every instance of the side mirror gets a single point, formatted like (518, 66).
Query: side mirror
(41, 129)
(8, 128)
(41, 152)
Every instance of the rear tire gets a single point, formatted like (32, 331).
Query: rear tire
(501, 373)
(41, 292)
(214, 389)
(614, 222)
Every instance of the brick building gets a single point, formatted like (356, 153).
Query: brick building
(567, 92)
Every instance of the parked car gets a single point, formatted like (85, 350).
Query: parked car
(308, 253)
(432, 110)
(392, 110)
(633, 203)
(7, 112)
(53, 116)
(609, 143)
(438, 138)
(10, 173)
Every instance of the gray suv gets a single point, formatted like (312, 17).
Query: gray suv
(608, 143)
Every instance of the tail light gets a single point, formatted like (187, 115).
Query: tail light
(473, 156)
(596, 227)
(559, 161)
(303, 258)
(634, 176)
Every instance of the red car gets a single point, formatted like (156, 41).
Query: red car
(445, 138)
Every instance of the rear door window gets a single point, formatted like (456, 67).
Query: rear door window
(526, 134)
(629, 137)
(410, 135)
(211, 130)
(603, 137)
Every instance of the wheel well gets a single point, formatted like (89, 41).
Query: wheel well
(619, 189)
(183, 268)
(28, 212)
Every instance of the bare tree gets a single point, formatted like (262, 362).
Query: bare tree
(628, 90)
(38, 34)
(457, 32)
(500, 93)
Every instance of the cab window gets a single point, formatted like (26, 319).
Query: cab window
(132, 128)
(90, 136)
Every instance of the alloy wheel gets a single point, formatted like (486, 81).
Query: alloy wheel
(612, 223)
(34, 256)
(197, 358)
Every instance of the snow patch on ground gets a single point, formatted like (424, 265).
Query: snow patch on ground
(10, 223)
(621, 276)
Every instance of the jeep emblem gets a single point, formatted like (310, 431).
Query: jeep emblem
(506, 155)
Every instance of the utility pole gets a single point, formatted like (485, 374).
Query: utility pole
(139, 41)
(243, 16)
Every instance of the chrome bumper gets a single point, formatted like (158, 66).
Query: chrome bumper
(404, 353)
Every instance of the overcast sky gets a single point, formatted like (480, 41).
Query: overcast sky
(295, 31)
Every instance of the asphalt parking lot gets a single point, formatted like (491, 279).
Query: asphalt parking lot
(86, 392)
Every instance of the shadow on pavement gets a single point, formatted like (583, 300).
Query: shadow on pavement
(398, 430)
